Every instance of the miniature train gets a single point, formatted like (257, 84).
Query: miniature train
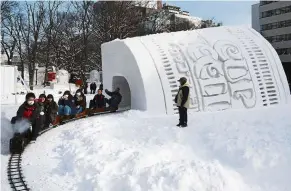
(20, 140)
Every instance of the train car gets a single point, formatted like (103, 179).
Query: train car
(21, 140)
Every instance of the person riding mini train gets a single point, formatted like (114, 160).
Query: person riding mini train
(41, 104)
(29, 111)
(98, 101)
(80, 101)
(66, 104)
(51, 110)
(115, 99)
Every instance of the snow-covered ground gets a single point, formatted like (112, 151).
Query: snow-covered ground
(221, 151)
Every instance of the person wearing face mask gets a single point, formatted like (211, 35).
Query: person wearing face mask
(30, 111)
(41, 104)
(66, 104)
(80, 101)
(51, 110)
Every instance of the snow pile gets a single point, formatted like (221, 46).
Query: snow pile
(221, 151)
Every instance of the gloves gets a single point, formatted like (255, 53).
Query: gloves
(77, 106)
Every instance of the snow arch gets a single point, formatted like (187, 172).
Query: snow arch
(227, 68)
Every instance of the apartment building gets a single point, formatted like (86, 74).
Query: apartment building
(275, 26)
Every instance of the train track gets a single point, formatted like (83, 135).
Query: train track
(14, 171)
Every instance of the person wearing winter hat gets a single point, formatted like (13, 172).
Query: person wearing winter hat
(29, 110)
(51, 110)
(182, 100)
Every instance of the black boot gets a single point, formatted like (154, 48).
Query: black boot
(184, 125)
(179, 124)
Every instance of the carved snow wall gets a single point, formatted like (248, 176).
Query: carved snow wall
(227, 68)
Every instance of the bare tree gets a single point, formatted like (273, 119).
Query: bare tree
(30, 33)
(50, 26)
(8, 39)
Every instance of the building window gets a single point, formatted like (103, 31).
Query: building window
(278, 11)
(284, 51)
(279, 38)
(276, 25)
(266, 2)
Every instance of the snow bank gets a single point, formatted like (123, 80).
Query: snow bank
(230, 151)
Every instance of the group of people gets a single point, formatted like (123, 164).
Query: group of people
(42, 112)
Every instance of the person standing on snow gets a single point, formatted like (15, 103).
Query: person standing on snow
(115, 99)
(30, 111)
(182, 100)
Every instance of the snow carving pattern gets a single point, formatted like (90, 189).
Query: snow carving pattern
(184, 70)
(221, 72)
(169, 73)
(261, 67)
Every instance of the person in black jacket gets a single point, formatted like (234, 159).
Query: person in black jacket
(115, 99)
(66, 104)
(182, 100)
(41, 104)
(29, 110)
(80, 101)
(51, 110)
(98, 101)
(101, 87)
(85, 88)
(93, 87)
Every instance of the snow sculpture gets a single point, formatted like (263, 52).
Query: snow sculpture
(8, 84)
(94, 76)
(62, 77)
(227, 68)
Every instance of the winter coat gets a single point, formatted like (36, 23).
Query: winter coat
(115, 99)
(69, 102)
(93, 86)
(101, 87)
(30, 112)
(80, 101)
(183, 96)
(99, 101)
(51, 110)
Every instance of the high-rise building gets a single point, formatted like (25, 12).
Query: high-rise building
(274, 18)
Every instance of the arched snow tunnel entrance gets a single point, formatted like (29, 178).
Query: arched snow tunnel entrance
(226, 67)
(121, 82)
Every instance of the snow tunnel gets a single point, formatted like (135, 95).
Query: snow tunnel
(226, 67)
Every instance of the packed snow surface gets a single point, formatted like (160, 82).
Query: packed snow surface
(135, 151)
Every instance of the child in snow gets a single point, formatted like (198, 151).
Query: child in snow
(80, 101)
(51, 109)
(66, 104)
(30, 111)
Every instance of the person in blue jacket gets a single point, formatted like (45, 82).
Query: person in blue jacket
(66, 104)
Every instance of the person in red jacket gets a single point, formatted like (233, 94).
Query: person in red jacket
(30, 111)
